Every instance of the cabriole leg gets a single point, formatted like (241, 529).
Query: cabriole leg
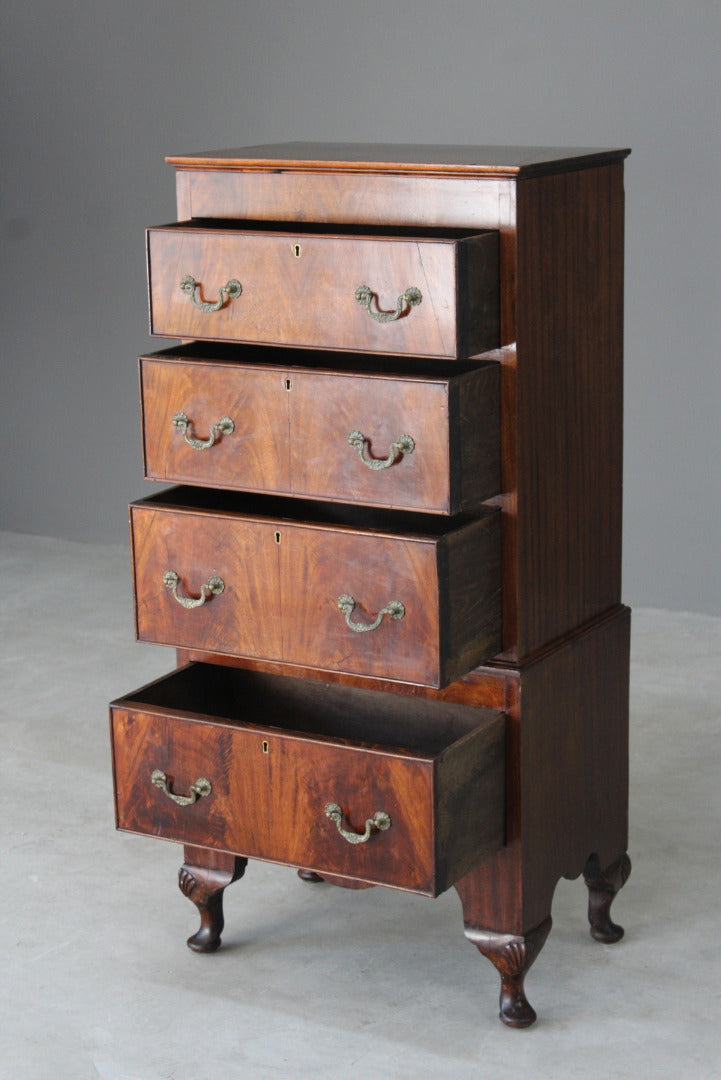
(512, 955)
(203, 877)
(310, 876)
(602, 888)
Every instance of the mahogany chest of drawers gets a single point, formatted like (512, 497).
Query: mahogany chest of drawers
(391, 563)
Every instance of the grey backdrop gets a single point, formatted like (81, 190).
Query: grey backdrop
(94, 94)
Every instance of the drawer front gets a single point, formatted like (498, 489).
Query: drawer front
(268, 794)
(300, 290)
(244, 618)
(389, 625)
(278, 195)
(373, 441)
(215, 424)
(238, 785)
(409, 442)
(281, 590)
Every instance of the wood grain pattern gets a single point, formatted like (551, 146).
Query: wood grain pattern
(283, 578)
(319, 567)
(270, 788)
(474, 437)
(470, 602)
(327, 408)
(568, 424)
(500, 806)
(491, 687)
(309, 301)
(254, 457)
(512, 955)
(560, 220)
(337, 197)
(405, 158)
(203, 878)
(566, 778)
(292, 425)
(243, 618)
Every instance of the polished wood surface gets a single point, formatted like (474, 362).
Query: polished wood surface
(283, 578)
(567, 777)
(383, 199)
(445, 160)
(254, 457)
(491, 687)
(560, 224)
(557, 664)
(291, 428)
(603, 884)
(270, 786)
(512, 955)
(244, 619)
(455, 463)
(203, 878)
(308, 300)
(569, 402)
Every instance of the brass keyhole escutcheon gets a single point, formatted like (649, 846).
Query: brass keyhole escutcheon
(296, 250)
(277, 537)
(266, 746)
(288, 384)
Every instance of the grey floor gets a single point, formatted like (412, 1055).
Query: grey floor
(313, 980)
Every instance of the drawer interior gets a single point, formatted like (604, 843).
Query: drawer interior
(279, 508)
(292, 228)
(277, 750)
(346, 363)
(282, 703)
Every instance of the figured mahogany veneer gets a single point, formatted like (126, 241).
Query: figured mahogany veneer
(498, 779)
(362, 183)
(291, 425)
(283, 578)
(298, 288)
(277, 750)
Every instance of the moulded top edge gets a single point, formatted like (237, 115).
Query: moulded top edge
(439, 160)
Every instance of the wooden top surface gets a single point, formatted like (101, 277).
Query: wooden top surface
(436, 160)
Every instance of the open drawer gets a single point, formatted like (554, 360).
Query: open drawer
(409, 597)
(412, 435)
(394, 291)
(383, 788)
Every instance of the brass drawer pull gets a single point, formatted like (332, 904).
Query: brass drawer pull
(410, 298)
(346, 603)
(380, 821)
(200, 788)
(404, 444)
(214, 587)
(224, 426)
(232, 289)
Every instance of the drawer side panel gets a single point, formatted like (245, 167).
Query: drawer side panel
(471, 595)
(471, 814)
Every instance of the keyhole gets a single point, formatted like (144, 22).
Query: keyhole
(296, 250)
(277, 537)
(266, 747)
(287, 384)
